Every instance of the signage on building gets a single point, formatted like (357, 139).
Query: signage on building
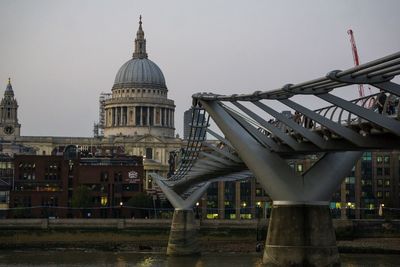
(133, 177)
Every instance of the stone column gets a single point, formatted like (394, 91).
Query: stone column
(148, 116)
(114, 115)
(301, 235)
(183, 237)
(120, 116)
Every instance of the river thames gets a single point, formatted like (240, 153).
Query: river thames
(122, 259)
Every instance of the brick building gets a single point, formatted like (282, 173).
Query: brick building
(44, 186)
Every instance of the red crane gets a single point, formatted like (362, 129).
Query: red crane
(356, 59)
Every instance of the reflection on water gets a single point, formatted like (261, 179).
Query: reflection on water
(124, 259)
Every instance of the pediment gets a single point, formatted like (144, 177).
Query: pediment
(150, 139)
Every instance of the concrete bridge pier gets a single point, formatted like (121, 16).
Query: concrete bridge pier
(183, 237)
(300, 234)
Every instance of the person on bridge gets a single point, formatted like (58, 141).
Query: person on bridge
(297, 117)
(381, 101)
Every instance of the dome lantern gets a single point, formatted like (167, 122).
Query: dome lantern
(140, 42)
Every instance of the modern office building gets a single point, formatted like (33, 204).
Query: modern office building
(193, 116)
(372, 183)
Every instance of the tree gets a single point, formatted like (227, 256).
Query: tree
(142, 202)
(81, 198)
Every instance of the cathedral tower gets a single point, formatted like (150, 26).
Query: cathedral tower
(9, 126)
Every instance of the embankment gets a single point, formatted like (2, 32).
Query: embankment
(353, 236)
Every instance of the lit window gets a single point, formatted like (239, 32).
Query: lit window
(379, 194)
(367, 156)
(386, 159)
(300, 167)
(387, 182)
(379, 159)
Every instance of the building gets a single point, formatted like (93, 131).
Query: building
(137, 117)
(198, 118)
(139, 104)
(45, 185)
(6, 182)
(372, 184)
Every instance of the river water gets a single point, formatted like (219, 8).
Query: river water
(123, 259)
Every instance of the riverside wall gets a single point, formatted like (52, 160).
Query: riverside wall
(371, 228)
(148, 234)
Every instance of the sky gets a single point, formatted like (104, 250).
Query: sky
(61, 55)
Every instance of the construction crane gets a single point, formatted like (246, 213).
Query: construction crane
(356, 59)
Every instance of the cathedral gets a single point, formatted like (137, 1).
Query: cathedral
(138, 118)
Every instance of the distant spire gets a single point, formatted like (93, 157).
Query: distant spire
(140, 42)
(9, 89)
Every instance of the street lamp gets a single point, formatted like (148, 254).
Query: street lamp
(258, 210)
(197, 210)
(381, 209)
(120, 209)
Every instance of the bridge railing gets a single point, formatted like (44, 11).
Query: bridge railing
(197, 134)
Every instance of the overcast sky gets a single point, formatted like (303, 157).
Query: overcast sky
(61, 55)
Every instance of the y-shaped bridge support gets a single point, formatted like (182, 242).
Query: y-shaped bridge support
(183, 236)
(300, 231)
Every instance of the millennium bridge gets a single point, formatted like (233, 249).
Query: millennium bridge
(258, 141)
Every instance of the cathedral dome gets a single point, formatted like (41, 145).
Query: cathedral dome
(141, 73)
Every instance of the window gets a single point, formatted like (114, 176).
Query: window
(379, 182)
(117, 177)
(387, 182)
(387, 194)
(367, 156)
(387, 171)
(144, 116)
(151, 116)
(149, 153)
(163, 116)
(379, 194)
(350, 180)
(259, 192)
(386, 159)
(300, 167)
(4, 196)
(137, 112)
(379, 171)
(130, 187)
(104, 176)
(379, 159)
